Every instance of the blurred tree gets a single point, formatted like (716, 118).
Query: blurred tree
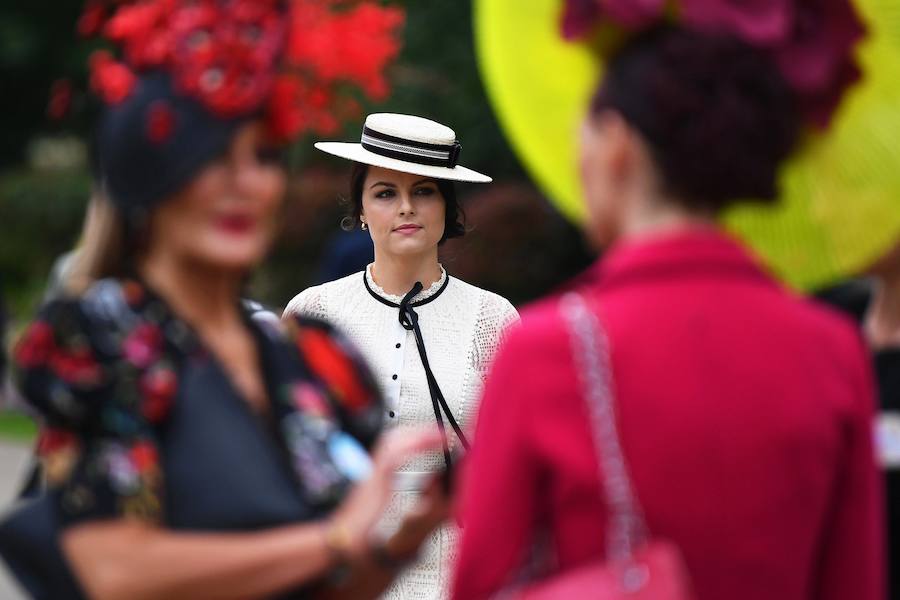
(40, 217)
(38, 46)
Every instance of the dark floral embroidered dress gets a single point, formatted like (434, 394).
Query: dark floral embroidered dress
(140, 420)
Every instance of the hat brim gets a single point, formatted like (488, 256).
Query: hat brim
(356, 152)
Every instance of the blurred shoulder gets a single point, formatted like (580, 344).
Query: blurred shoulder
(107, 307)
(314, 300)
(78, 348)
(492, 306)
(332, 358)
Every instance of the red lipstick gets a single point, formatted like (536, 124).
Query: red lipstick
(236, 224)
(408, 229)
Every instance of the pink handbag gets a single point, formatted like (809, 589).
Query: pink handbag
(656, 571)
(638, 566)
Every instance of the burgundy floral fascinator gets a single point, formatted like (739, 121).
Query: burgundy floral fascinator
(813, 42)
(284, 59)
(179, 77)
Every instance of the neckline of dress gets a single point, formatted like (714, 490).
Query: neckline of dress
(187, 341)
(433, 290)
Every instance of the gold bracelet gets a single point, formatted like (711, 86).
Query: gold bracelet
(338, 541)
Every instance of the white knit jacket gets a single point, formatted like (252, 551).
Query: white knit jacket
(462, 328)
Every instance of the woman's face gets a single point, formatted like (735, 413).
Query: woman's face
(226, 215)
(405, 213)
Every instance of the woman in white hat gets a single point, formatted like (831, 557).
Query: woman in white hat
(429, 337)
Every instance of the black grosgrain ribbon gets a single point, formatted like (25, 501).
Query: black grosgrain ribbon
(410, 321)
(423, 153)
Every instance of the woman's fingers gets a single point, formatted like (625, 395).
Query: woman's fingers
(432, 508)
(366, 503)
(397, 446)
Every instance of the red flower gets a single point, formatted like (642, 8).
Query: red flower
(158, 387)
(229, 55)
(142, 30)
(354, 46)
(284, 119)
(77, 367)
(160, 122)
(143, 345)
(91, 21)
(330, 363)
(758, 22)
(308, 399)
(144, 457)
(135, 20)
(295, 107)
(52, 439)
(60, 99)
(111, 80)
(812, 41)
(818, 56)
(579, 17)
(35, 346)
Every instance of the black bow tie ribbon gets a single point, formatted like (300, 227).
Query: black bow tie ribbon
(409, 319)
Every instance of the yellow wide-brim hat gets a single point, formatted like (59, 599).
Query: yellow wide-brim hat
(840, 200)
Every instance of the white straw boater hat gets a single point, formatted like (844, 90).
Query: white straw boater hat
(408, 144)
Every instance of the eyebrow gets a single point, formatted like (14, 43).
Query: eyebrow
(389, 184)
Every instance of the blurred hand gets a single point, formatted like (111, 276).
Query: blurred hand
(433, 508)
(363, 508)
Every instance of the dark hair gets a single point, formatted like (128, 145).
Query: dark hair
(454, 216)
(716, 113)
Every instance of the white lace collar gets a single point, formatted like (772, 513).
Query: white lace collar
(423, 295)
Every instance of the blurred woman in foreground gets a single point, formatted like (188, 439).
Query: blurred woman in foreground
(191, 450)
(744, 412)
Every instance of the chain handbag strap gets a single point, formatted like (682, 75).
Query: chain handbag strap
(590, 347)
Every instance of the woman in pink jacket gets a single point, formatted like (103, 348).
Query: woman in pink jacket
(744, 411)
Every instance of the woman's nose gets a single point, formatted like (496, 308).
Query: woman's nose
(246, 175)
(406, 205)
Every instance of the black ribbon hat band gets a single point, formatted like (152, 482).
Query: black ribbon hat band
(408, 144)
(435, 155)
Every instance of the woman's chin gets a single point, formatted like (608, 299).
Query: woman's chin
(234, 259)
(410, 246)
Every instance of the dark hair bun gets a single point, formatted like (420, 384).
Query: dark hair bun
(716, 112)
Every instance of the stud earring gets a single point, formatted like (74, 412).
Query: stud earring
(364, 225)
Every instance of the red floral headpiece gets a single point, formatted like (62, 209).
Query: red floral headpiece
(285, 58)
(811, 41)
